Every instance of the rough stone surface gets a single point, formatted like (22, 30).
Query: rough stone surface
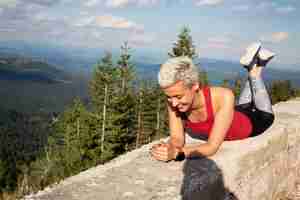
(261, 168)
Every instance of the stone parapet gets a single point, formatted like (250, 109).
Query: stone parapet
(265, 167)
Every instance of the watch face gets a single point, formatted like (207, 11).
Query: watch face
(180, 156)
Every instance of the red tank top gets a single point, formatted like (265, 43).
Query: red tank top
(240, 128)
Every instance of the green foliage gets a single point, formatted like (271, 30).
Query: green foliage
(105, 75)
(237, 87)
(282, 91)
(225, 83)
(23, 138)
(152, 120)
(75, 133)
(184, 45)
(203, 78)
(126, 68)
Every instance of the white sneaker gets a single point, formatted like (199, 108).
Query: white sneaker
(251, 55)
(264, 56)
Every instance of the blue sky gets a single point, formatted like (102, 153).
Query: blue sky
(220, 28)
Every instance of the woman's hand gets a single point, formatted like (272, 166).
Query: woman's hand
(163, 152)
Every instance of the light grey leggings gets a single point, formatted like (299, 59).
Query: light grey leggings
(258, 96)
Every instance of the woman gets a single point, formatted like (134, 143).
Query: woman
(202, 112)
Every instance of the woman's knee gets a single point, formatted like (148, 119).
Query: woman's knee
(263, 122)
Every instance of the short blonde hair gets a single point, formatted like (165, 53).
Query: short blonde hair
(178, 69)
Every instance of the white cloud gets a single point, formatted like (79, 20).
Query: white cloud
(85, 21)
(276, 37)
(1, 10)
(108, 21)
(208, 2)
(91, 3)
(285, 9)
(124, 3)
(117, 3)
(8, 3)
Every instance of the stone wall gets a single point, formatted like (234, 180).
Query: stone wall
(261, 168)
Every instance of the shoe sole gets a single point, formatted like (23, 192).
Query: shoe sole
(266, 55)
(249, 57)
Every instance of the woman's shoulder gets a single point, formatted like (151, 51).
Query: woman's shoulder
(220, 94)
(219, 91)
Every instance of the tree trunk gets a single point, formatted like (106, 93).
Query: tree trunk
(123, 84)
(158, 117)
(139, 132)
(78, 136)
(104, 118)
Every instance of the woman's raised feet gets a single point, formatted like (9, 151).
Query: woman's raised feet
(256, 56)
(250, 58)
(264, 56)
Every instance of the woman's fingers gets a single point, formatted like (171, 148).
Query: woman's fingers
(160, 152)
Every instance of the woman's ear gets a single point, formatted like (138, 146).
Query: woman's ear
(195, 86)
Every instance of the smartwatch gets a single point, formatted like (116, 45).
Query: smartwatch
(180, 156)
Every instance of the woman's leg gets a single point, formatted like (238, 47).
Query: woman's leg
(255, 92)
(257, 98)
(254, 99)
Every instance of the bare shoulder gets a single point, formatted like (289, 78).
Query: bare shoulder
(220, 92)
(220, 95)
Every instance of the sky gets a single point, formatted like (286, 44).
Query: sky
(220, 29)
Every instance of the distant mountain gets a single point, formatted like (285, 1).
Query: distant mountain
(218, 70)
(73, 60)
(16, 67)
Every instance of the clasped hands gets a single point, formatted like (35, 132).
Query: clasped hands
(163, 152)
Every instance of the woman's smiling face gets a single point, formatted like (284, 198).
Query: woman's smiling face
(180, 96)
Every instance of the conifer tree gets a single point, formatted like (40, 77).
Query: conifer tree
(184, 45)
(126, 68)
(161, 116)
(101, 89)
(73, 129)
(123, 103)
(151, 113)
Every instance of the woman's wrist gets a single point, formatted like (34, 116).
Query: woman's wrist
(179, 154)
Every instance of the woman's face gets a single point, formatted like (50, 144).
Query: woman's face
(180, 96)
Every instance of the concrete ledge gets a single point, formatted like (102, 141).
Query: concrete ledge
(261, 168)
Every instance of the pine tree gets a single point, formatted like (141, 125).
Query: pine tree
(73, 130)
(126, 67)
(123, 103)
(161, 115)
(151, 113)
(101, 89)
(184, 45)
